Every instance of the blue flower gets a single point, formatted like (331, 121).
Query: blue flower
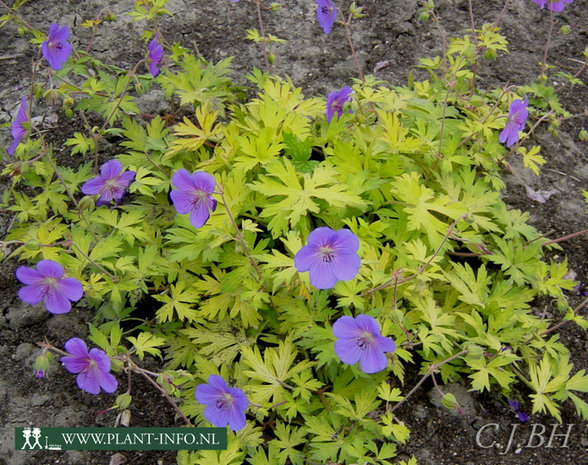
(517, 117)
(329, 256)
(336, 101)
(359, 340)
(56, 49)
(326, 12)
(17, 130)
(224, 405)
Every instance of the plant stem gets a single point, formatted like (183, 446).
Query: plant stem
(137, 369)
(429, 372)
(394, 280)
(547, 44)
(241, 239)
(262, 31)
(110, 275)
(563, 322)
(565, 238)
(350, 42)
(475, 40)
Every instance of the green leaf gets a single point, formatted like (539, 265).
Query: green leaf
(147, 342)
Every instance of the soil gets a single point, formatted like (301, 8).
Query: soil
(319, 64)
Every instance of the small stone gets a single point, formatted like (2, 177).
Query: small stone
(22, 315)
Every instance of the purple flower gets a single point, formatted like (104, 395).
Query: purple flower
(517, 116)
(224, 405)
(359, 340)
(523, 417)
(154, 56)
(39, 374)
(16, 128)
(111, 184)
(193, 195)
(93, 367)
(48, 284)
(326, 12)
(56, 49)
(514, 404)
(336, 101)
(553, 5)
(329, 256)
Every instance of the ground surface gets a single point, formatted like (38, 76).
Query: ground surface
(318, 64)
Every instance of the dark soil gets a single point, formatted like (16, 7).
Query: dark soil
(319, 64)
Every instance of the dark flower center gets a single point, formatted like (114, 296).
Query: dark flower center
(56, 45)
(364, 340)
(327, 254)
(326, 10)
(48, 286)
(224, 402)
(198, 197)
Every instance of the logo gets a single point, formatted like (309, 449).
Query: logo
(34, 438)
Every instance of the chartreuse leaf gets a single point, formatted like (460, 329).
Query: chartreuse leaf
(420, 204)
(192, 137)
(180, 301)
(299, 198)
(531, 158)
(147, 342)
(273, 369)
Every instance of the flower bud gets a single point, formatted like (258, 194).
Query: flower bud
(565, 30)
(33, 244)
(475, 352)
(271, 58)
(123, 401)
(275, 6)
(423, 17)
(583, 135)
(449, 401)
(86, 203)
(41, 365)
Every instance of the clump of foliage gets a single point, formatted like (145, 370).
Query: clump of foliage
(447, 270)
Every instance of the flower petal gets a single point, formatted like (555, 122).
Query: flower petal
(102, 360)
(111, 169)
(367, 323)
(306, 258)
(50, 269)
(183, 181)
(345, 267)
(348, 351)
(372, 360)
(74, 364)
(204, 181)
(345, 240)
(88, 381)
(346, 328)
(32, 295)
(384, 344)
(28, 275)
(239, 398)
(93, 186)
(126, 178)
(107, 382)
(76, 347)
(236, 418)
(70, 288)
(199, 215)
(217, 416)
(207, 394)
(320, 236)
(57, 303)
(322, 276)
(182, 201)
